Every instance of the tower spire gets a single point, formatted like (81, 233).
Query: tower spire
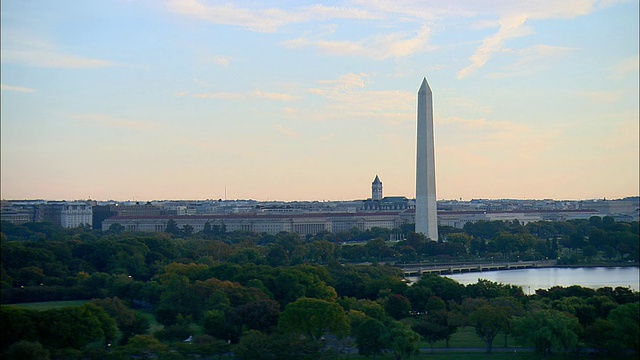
(376, 189)
(426, 212)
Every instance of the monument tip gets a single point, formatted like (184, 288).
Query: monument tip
(424, 86)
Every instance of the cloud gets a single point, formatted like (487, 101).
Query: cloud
(512, 17)
(23, 49)
(346, 81)
(241, 96)
(328, 136)
(531, 59)
(509, 28)
(219, 60)
(288, 132)
(219, 95)
(274, 96)
(346, 98)
(51, 59)
(107, 120)
(379, 47)
(261, 20)
(16, 88)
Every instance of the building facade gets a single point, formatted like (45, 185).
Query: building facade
(305, 223)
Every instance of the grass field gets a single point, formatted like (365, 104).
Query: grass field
(48, 304)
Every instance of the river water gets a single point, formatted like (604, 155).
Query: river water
(545, 278)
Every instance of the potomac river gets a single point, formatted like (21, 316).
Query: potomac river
(531, 279)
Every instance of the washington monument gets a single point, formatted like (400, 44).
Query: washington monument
(426, 215)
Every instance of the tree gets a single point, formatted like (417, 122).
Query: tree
(401, 340)
(369, 337)
(314, 318)
(397, 306)
(75, 327)
(599, 335)
(377, 249)
(443, 287)
(435, 326)
(143, 347)
(187, 230)
(277, 256)
(116, 228)
(255, 345)
(215, 324)
(625, 322)
(488, 320)
(259, 315)
(418, 297)
(27, 350)
(489, 289)
(547, 330)
(129, 322)
(17, 324)
(172, 228)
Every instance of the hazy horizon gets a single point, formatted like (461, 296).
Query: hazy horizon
(200, 99)
(312, 200)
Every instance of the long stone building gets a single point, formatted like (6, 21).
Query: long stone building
(303, 223)
(313, 223)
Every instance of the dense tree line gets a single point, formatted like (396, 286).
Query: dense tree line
(282, 296)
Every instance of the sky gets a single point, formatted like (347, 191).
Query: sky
(307, 100)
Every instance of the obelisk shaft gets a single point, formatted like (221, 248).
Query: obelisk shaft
(426, 212)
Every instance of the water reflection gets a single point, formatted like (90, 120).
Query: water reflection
(545, 278)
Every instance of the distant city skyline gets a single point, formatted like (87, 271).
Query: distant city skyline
(150, 100)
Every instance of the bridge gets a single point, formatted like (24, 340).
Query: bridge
(417, 270)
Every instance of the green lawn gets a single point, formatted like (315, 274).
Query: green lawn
(48, 304)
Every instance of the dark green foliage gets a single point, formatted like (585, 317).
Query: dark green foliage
(237, 287)
(255, 345)
(75, 327)
(143, 347)
(203, 346)
(625, 333)
(70, 327)
(314, 318)
(489, 290)
(177, 332)
(547, 330)
(400, 340)
(369, 337)
(489, 320)
(397, 306)
(129, 322)
(17, 325)
(27, 350)
(261, 315)
(445, 288)
(434, 326)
